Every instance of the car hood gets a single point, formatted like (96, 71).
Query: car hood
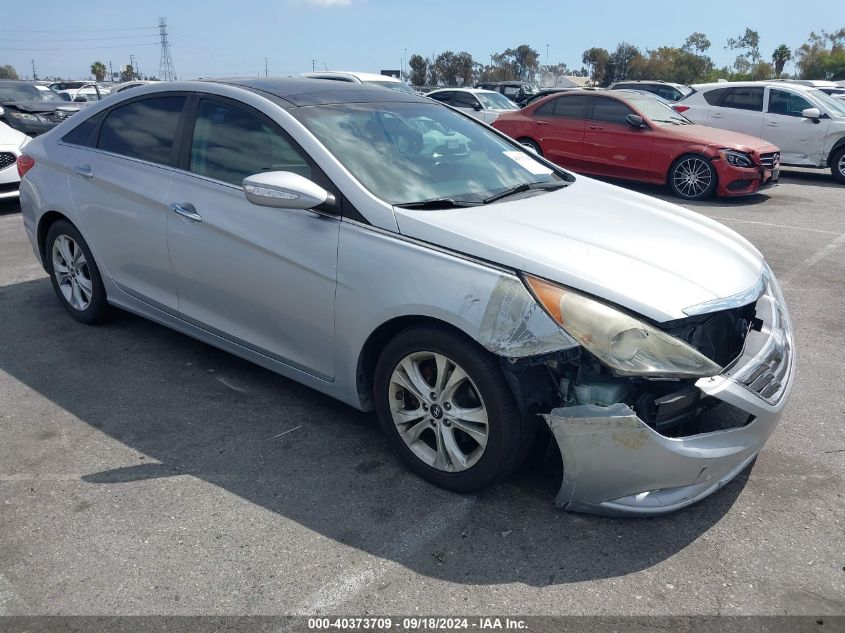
(649, 256)
(715, 136)
(43, 106)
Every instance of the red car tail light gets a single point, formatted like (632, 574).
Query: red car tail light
(25, 163)
(680, 108)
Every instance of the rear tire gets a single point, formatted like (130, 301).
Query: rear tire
(837, 165)
(446, 409)
(74, 273)
(533, 145)
(693, 177)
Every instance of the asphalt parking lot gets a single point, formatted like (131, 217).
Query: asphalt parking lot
(142, 472)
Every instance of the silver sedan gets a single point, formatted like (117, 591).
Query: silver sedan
(398, 255)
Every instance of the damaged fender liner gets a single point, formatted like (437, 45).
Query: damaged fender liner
(614, 464)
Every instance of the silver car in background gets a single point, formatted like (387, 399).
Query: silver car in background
(395, 254)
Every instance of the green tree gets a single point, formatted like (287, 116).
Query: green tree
(696, 43)
(749, 46)
(98, 69)
(780, 56)
(822, 56)
(621, 61)
(128, 73)
(7, 72)
(596, 60)
(419, 69)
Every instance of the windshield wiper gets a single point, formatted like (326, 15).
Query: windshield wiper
(438, 203)
(526, 186)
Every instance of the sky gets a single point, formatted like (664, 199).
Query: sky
(222, 37)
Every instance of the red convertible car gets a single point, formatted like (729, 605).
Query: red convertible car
(635, 136)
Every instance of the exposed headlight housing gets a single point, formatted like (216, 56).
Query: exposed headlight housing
(736, 158)
(627, 345)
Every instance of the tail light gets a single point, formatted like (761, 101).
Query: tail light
(25, 163)
(680, 108)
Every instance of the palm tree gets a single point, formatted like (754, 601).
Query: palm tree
(98, 69)
(781, 55)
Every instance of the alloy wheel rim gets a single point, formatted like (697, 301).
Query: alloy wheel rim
(692, 177)
(842, 164)
(72, 273)
(438, 411)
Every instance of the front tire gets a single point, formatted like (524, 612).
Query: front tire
(446, 409)
(74, 273)
(837, 165)
(693, 177)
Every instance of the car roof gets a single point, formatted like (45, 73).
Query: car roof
(350, 73)
(301, 91)
(751, 84)
(470, 90)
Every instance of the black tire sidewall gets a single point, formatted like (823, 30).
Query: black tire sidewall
(504, 422)
(98, 306)
(838, 176)
(714, 182)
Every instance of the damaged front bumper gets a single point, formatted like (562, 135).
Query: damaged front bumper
(615, 464)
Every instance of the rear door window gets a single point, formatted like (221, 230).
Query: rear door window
(787, 103)
(443, 97)
(144, 129)
(610, 111)
(750, 98)
(230, 143)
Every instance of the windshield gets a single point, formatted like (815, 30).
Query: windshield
(834, 106)
(27, 92)
(413, 152)
(495, 101)
(657, 111)
(393, 85)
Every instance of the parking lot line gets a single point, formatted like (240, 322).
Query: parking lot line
(774, 226)
(816, 257)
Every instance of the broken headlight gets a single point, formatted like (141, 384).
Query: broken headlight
(626, 344)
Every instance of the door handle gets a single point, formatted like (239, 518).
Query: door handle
(84, 170)
(772, 124)
(718, 116)
(596, 127)
(187, 210)
(542, 122)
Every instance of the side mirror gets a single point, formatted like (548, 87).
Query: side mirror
(811, 113)
(80, 99)
(635, 120)
(284, 190)
(477, 107)
(64, 96)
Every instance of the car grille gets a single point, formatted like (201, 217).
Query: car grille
(766, 361)
(770, 160)
(7, 159)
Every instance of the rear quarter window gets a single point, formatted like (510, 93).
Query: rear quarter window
(714, 96)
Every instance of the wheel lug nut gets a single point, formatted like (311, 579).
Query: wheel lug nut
(425, 407)
(433, 422)
(447, 423)
(447, 406)
(433, 395)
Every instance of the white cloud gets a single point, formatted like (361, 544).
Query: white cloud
(329, 3)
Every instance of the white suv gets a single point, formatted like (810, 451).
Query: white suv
(807, 124)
